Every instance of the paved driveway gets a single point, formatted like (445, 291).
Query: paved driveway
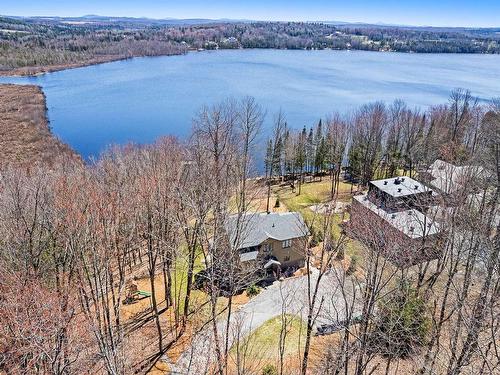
(290, 295)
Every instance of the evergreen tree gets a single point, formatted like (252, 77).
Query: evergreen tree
(277, 156)
(288, 152)
(300, 155)
(310, 151)
(269, 157)
(319, 160)
(403, 323)
(319, 133)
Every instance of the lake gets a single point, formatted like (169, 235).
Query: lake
(143, 98)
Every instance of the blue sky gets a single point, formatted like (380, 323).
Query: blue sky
(480, 13)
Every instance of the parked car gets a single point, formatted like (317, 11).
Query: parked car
(328, 329)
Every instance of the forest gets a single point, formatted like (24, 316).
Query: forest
(29, 46)
(74, 237)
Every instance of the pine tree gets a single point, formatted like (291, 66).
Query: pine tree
(277, 156)
(269, 158)
(300, 155)
(319, 160)
(310, 151)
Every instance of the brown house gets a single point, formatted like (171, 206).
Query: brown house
(391, 218)
(269, 240)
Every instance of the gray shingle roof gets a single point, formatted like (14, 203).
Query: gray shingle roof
(255, 228)
(450, 178)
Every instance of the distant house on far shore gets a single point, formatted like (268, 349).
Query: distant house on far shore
(273, 240)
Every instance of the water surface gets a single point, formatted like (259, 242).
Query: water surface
(143, 98)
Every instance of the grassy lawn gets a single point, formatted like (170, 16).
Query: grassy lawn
(313, 193)
(179, 280)
(263, 343)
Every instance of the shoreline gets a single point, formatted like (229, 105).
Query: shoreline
(34, 71)
(41, 70)
(26, 138)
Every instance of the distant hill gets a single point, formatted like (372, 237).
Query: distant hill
(92, 18)
(144, 21)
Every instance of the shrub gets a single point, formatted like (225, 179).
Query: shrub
(316, 237)
(403, 323)
(319, 236)
(269, 370)
(340, 254)
(252, 290)
(353, 266)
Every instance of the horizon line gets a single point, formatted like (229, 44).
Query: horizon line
(378, 23)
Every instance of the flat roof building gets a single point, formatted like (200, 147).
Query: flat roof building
(411, 222)
(391, 218)
(400, 186)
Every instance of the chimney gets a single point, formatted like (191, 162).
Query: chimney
(385, 182)
(399, 190)
(416, 187)
(412, 229)
(397, 181)
(393, 216)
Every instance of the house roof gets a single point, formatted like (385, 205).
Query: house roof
(254, 228)
(400, 186)
(412, 223)
(449, 178)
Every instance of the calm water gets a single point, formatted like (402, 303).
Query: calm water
(140, 99)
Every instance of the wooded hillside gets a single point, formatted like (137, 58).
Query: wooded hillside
(29, 46)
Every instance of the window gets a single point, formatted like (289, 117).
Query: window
(286, 259)
(268, 247)
(286, 243)
(249, 249)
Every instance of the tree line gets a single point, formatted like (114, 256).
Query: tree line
(378, 140)
(39, 42)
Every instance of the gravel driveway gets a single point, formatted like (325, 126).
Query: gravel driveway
(290, 294)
